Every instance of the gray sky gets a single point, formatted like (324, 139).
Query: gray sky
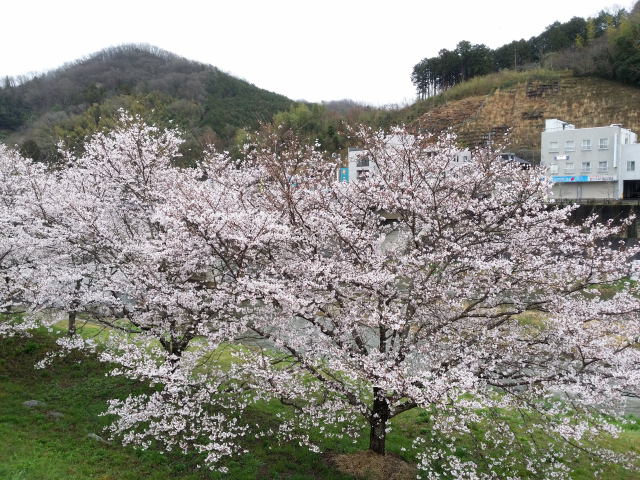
(312, 50)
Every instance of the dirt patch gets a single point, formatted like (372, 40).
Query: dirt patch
(452, 114)
(371, 466)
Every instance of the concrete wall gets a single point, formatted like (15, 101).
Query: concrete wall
(615, 212)
(582, 190)
(630, 152)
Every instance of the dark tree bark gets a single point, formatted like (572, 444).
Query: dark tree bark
(71, 330)
(380, 414)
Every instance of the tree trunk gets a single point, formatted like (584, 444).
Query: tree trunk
(71, 331)
(175, 346)
(378, 422)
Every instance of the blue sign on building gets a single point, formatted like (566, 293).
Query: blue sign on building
(570, 178)
(343, 174)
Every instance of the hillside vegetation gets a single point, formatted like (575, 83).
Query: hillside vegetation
(83, 97)
(211, 107)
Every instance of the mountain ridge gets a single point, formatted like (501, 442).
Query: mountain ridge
(201, 99)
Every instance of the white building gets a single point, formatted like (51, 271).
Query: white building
(360, 163)
(591, 163)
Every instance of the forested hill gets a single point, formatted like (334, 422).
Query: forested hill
(605, 45)
(84, 96)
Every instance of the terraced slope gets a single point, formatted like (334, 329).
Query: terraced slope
(521, 109)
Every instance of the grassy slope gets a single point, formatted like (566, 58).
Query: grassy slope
(34, 446)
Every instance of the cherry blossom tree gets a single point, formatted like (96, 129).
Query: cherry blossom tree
(12, 187)
(117, 240)
(90, 215)
(22, 182)
(458, 289)
(454, 288)
(128, 253)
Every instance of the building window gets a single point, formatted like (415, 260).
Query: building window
(586, 144)
(569, 146)
(362, 162)
(602, 166)
(586, 167)
(604, 144)
(553, 169)
(568, 167)
(631, 166)
(553, 147)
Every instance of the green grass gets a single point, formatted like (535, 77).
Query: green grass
(35, 446)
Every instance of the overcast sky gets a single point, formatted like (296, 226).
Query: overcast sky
(312, 50)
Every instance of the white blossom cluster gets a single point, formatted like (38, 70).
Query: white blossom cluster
(453, 288)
